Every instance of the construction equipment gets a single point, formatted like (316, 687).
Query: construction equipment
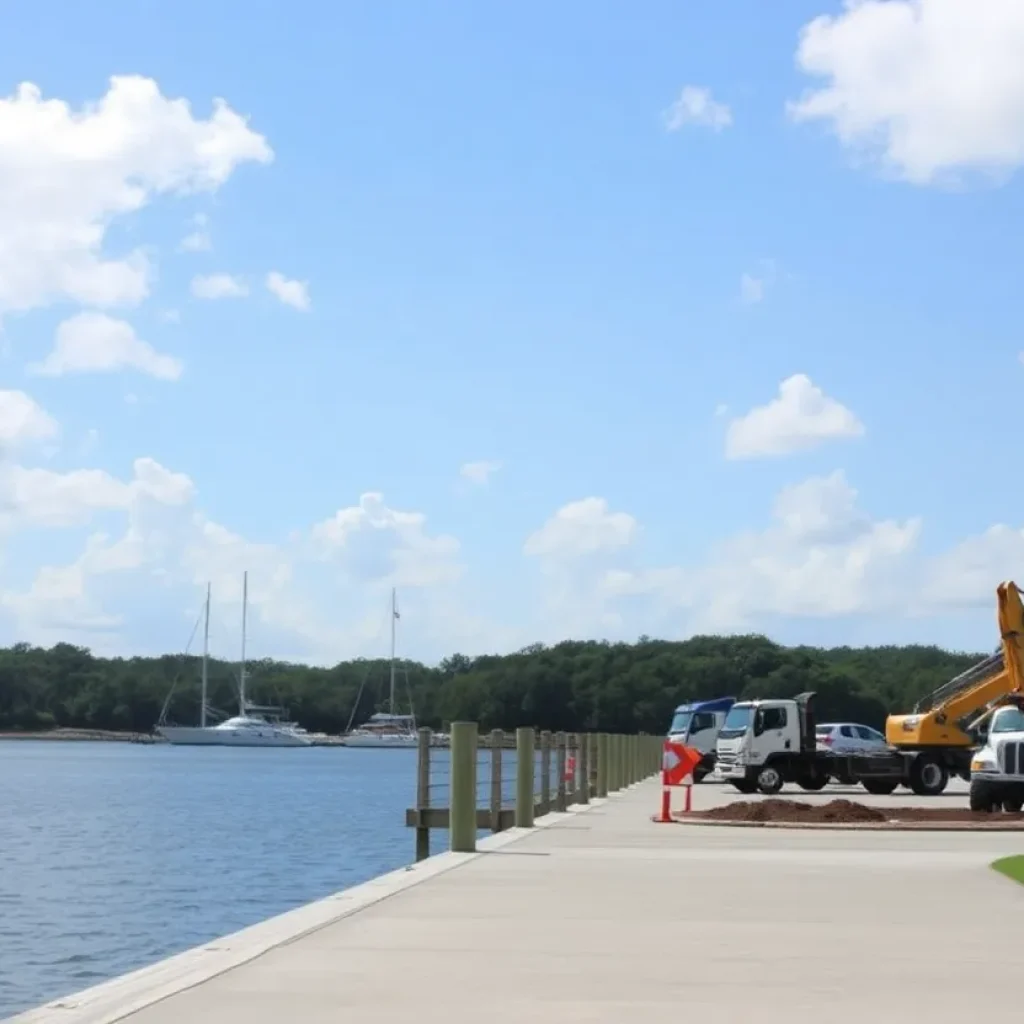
(947, 725)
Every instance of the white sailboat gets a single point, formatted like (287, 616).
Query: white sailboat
(253, 726)
(385, 730)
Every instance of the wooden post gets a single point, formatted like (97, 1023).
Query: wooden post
(462, 799)
(582, 768)
(545, 772)
(602, 763)
(560, 763)
(423, 793)
(524, 778)
(497, 743)
(592, 754)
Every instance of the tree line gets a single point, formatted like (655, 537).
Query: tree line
(572, 686)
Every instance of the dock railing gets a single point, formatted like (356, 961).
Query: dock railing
(483, 783)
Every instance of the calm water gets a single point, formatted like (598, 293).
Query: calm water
(115, 855)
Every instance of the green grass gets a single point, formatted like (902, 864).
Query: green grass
(1012, 867)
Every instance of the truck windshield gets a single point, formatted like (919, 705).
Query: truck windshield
(737, 721)
(680, 723)
(1009, 720)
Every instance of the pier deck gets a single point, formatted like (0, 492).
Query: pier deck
(600, 914)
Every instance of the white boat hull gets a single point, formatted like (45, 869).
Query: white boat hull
(381, 742)
(268, 736)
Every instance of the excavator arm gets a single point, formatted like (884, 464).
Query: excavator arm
(948, 716)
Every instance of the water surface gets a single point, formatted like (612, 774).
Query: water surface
(114, 855)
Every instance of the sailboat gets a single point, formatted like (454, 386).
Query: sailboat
(385, 730)
(253, 726)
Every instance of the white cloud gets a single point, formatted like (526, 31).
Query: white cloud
(479, 472)
(218, 286)
(198, 239)
(751, 289)
(315, 591)
(934, 88)
(42, 497)
(93, 342)
(290, 292)
(696, 106)
(581, 528)
(800, 418)
(376, 543)
(23, 419)
(66, 174)
(821, 556)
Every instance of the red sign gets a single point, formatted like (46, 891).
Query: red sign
(678, 763)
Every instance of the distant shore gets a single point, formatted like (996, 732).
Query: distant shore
(91, 735)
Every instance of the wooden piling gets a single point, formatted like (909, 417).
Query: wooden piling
(423, 794)
(545, 772)
(497, 747)
(524, 778)
(462, 799)
(561, 759)
(582, 768)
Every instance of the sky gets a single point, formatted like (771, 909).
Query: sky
(576, 320)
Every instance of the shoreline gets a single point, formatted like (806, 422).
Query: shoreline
(81, 735)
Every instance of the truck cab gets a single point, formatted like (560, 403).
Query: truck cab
(755, 735)
(696, 725)
(997, 769)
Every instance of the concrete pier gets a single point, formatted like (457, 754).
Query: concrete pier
(598, 914)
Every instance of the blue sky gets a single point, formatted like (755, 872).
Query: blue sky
(512, 255)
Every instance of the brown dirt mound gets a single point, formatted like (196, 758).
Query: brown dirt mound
(844, 811)
(792, 810)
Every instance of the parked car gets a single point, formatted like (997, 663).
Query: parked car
(850, 738)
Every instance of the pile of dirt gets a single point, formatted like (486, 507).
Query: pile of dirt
(792, 810)
(847, 812)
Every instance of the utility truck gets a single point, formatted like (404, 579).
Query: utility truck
(696, 725)
(997, 769)
(763, 744)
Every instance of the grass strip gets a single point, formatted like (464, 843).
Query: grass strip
(1012, 867)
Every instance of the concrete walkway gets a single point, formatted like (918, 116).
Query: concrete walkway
(603, 914)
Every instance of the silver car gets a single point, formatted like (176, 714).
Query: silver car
(849, 738)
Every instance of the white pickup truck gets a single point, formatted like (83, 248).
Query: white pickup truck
(997, 769)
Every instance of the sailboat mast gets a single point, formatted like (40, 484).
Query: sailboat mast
(394, 619)
(241, 668)
(206, 659)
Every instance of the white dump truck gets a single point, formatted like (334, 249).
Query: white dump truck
(763, 744)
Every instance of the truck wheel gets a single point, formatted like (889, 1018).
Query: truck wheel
(1013, 804)
(928, 777)
(700, 774)
(812, 783)
(743, 786)
(880, 787)
(982, 799)
(769, 780)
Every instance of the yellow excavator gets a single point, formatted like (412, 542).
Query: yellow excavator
(945, 726)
